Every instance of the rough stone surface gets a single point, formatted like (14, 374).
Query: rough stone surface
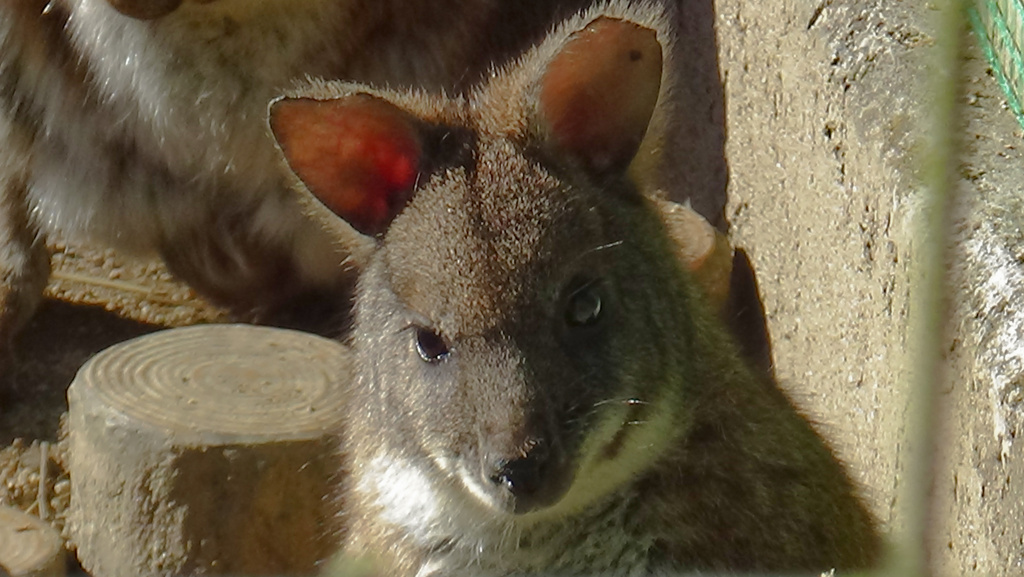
(826, 124)
(821, 120)
(983, 482)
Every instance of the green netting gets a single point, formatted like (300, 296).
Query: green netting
(999, 26)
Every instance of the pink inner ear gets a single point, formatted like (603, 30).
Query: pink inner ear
(599, 92)
(358, 155)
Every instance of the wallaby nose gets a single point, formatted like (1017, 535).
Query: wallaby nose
(532, 480)
(521, 477)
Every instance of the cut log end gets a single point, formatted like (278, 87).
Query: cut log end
(28, 546)
(221, 383)
(206, 449)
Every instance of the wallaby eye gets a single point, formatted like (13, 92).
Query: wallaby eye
(584, 305)
(430, 345)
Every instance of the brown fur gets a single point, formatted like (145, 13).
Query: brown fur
(140, 124)
(542, 387)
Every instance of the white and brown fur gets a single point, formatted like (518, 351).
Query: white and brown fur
(662, 451)
(149, 134)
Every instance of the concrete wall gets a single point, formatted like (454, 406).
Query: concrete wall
(823, 107)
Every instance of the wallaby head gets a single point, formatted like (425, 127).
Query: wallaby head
(528, 342)
(506, 320)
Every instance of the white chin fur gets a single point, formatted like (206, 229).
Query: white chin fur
(405, 495)
(471, 483)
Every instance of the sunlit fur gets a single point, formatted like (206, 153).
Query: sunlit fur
(673, 455)
(150, 135)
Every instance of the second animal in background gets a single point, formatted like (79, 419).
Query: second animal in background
(140, 124)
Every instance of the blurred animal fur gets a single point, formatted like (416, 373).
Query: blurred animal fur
(140, 124)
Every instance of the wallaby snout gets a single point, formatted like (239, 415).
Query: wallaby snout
(535, 476)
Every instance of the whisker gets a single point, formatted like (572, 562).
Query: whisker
(599, 248)
(631, 401)
(606, 246)
(576, 405)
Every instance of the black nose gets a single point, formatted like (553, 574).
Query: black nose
(521, 477)
(533, 480)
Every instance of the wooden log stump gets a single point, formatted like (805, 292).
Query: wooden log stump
(206, 450)
(28, 546)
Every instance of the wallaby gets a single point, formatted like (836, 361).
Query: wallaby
(542, 387)
(141, 124)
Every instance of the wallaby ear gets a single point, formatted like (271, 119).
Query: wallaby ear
(598, 93)
(704, 251)
(359, 155)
